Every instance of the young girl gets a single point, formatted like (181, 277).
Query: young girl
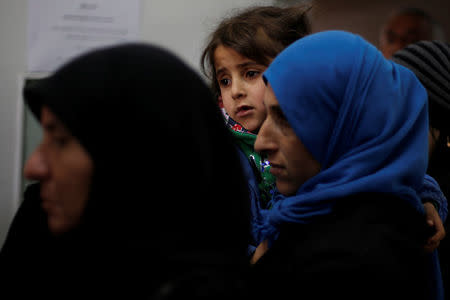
(237, 54)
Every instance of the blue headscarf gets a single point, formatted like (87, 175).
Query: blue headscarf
(362, 117)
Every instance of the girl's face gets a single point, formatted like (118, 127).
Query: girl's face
(64, 170)
(241, 87)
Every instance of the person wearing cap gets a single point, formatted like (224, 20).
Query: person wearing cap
(430, 62)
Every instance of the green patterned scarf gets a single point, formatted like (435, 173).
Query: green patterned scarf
(246, 142)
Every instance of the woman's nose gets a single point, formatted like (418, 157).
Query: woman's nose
(259, 143)
(36, 167)
(264, 143)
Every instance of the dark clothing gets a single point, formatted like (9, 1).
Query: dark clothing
(439, 168)
(365, 249)
(38, 264)
(30, 248)
(28, 230)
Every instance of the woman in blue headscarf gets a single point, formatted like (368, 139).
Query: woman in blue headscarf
(346, 136)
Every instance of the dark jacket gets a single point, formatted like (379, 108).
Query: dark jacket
(28, 229)
(363, 250)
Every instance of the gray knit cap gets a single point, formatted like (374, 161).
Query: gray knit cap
(430, 61)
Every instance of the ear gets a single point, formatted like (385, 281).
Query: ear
(219, 101)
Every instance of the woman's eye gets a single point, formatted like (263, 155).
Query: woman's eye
(224, 82)
(280, 117)
(60, 141)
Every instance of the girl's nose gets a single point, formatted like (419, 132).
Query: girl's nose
(237, 90)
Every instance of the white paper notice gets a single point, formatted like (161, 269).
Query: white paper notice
(58, 30)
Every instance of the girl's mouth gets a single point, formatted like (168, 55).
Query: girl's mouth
(244, 110)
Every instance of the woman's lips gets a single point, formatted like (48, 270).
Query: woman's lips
(45, 202)
(276, 170)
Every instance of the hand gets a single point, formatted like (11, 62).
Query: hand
(260, 250)
(433, 220)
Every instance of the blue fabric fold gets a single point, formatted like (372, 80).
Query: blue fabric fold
(431, 190)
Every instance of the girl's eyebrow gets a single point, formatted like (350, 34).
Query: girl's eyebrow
(247, 64)
(220, 71)
(240, 66)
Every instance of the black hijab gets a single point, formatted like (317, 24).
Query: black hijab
(168, 203)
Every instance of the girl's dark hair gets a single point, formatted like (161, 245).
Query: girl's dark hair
(257, 32)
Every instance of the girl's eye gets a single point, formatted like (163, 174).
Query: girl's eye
(252, 74)
(224, 82)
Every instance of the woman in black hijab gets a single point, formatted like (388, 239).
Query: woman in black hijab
(152, 218)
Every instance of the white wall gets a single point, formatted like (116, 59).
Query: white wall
(183, 25)
(179, 25)
(13, 35)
